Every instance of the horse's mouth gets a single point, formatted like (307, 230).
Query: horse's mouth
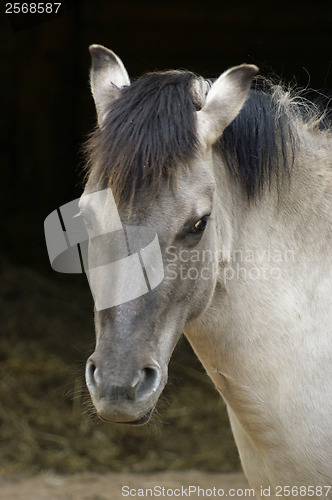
(141, 421)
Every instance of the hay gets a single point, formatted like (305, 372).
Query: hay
(45, 416)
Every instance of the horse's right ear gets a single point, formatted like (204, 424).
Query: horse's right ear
(107, 76)
(223, 102)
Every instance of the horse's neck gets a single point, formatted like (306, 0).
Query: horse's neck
(278, 251)
(266, 338)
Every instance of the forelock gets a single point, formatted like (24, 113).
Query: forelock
(148, 134)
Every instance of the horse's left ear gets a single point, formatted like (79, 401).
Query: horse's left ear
(107, 76)
(224, 101)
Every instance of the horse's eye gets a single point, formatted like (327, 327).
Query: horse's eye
(199, 226)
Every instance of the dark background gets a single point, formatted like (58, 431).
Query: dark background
(46, 326)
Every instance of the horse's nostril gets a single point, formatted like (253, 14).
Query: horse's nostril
(90, 374)
(108, 387)
(148, 382)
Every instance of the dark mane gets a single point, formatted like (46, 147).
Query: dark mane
(262, 141)
(151, 129)
(259, 143)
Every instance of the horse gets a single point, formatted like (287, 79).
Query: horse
(235, 177)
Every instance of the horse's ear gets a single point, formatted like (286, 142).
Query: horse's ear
(107, 76)
(224, 101)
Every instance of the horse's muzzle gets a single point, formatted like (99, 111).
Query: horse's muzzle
(128, 401)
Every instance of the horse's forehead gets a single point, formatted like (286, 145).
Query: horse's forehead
(191, 193)
(196, 181)
(191, 190)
